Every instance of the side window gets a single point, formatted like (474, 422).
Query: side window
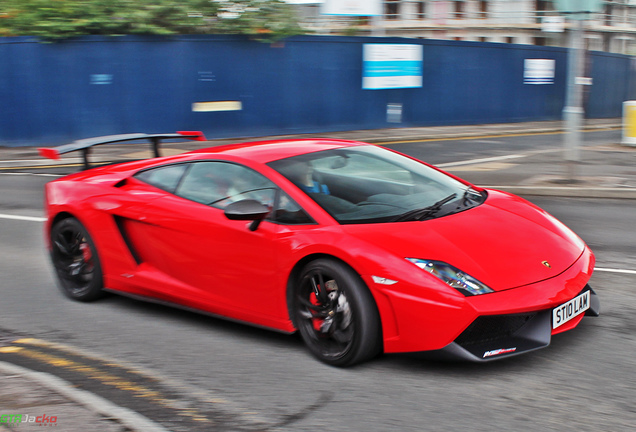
(166, 178)
(287, 212)
(219, 184)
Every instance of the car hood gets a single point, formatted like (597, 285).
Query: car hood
(505, 242)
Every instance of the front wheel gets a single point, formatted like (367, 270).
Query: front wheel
(335, 314)
(76, 261)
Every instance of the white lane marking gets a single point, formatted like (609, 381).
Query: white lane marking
(40, 161)
(23, 218)
(32, 174)
(43, 219)
(609, 270)
(481, 160)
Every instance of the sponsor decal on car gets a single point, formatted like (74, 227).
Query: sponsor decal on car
(499, 351)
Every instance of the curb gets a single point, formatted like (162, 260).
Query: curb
(90, 401)
(494, 130)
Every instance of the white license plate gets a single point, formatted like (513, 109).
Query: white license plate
(568, 310)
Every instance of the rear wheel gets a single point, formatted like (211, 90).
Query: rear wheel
(76, 261)
(335, 314)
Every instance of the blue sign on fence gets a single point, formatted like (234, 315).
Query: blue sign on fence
(101, 79)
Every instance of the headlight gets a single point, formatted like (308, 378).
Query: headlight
(452, 276)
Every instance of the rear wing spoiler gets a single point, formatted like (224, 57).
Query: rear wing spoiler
(85, 145)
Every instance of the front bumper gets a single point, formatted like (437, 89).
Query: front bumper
(498, 336)
(417, 321)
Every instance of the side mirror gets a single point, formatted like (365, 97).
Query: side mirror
(249, 210)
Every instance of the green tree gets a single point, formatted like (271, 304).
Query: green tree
(266, 20)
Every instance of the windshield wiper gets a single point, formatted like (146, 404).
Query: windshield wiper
(421, 214)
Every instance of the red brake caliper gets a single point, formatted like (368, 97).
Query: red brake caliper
(86, 252)
(316, 322)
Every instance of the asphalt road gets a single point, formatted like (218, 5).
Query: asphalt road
(192, 372)
(452, 150)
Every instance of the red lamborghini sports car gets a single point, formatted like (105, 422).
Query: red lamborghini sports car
(359, 248)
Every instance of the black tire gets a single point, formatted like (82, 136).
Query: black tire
(76, 261)
(335, 314)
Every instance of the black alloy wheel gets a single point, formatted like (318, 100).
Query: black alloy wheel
(76, 261)
(335, 314)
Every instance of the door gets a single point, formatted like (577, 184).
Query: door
(221, 265)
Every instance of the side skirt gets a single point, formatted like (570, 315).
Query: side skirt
(154, 300)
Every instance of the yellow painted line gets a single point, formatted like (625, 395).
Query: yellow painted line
(41, 167)
(464, 138)
(478, 137)
(79, 367)
(10, 349)
(69, 165)
(31, 341)
(97, 374)
(70, 350)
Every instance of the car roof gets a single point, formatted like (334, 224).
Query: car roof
(258, 151)
(268, 151)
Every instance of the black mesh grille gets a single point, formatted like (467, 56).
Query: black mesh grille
(487, 329)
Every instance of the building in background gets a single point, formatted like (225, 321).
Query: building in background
(533, 22)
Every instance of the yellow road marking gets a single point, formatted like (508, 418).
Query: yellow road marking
(10, 349)
(490, 166)
(42, 166)
(97, 374)
(377, 143)
(464, 138)
(91, 372)
(69, 350)
(30, 341)
(478, 137)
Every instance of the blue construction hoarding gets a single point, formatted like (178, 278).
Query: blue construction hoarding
(52, 93)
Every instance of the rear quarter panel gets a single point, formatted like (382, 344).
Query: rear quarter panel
(93, 205)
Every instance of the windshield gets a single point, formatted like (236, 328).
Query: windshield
(369, 184)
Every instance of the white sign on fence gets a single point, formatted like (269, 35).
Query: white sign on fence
(538, 71)
(386, 66)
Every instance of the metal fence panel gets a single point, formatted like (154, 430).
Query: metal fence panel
(53, 93)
